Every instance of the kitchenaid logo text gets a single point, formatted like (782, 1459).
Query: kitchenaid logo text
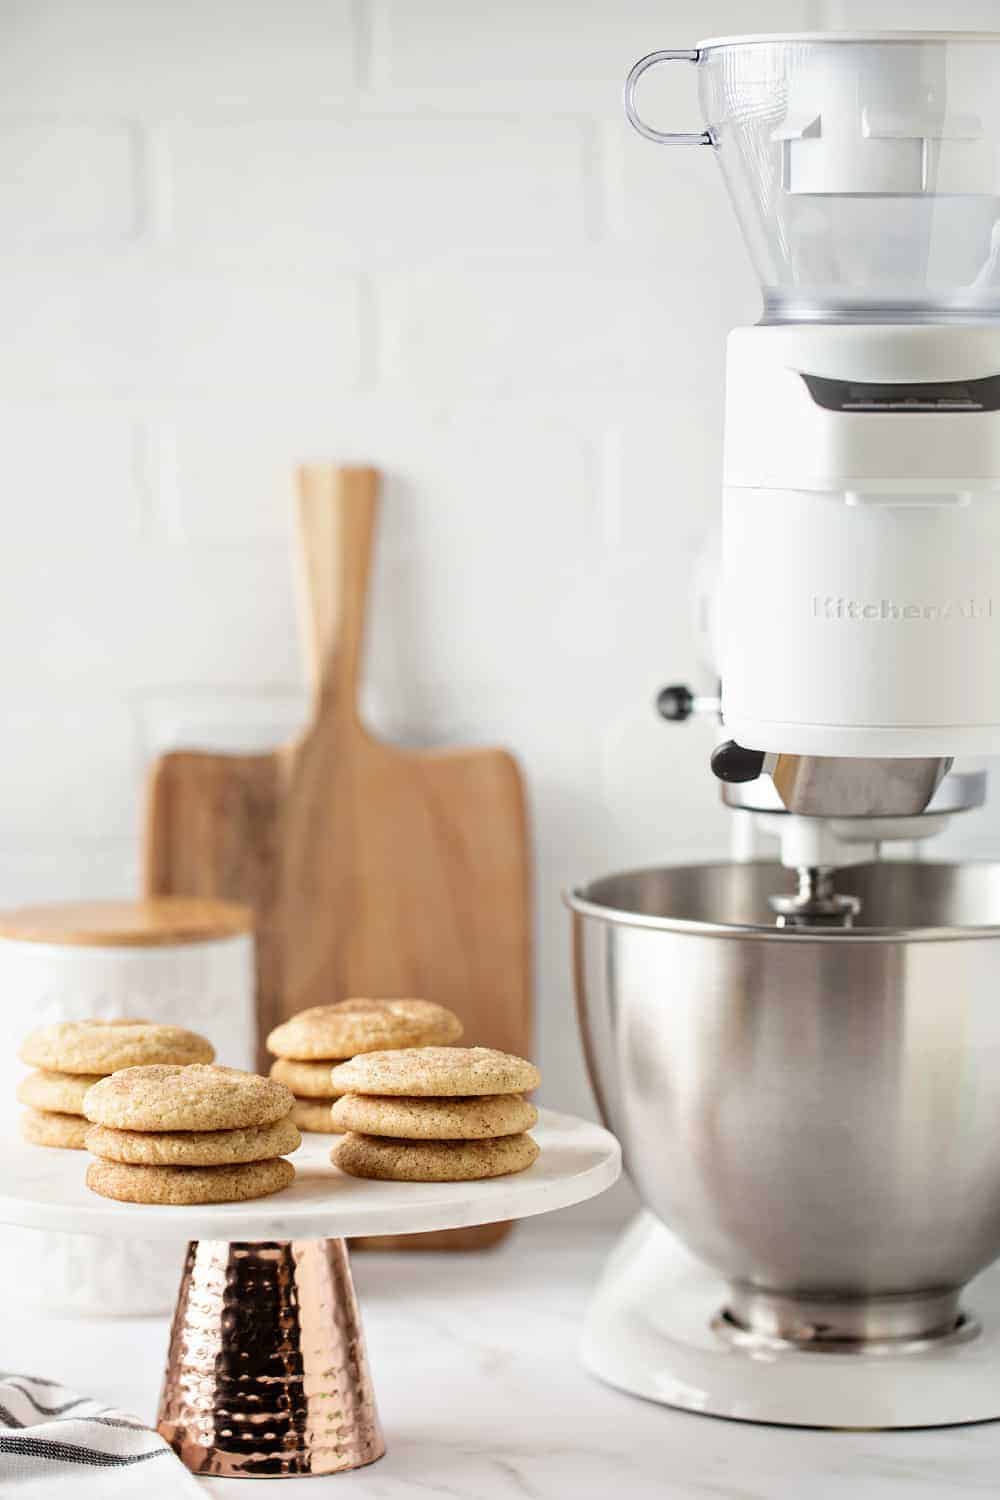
(834, 607)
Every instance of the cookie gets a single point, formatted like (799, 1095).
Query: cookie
(393, 1160)
(353, 1026)
(235, 1184)
(198, 1097)
(104, 1046)
(314, 1116)
(307, 1080)
(44, 1127)
(194, 1148)
(473, 1119)
(441, 1072)
(59, 1091)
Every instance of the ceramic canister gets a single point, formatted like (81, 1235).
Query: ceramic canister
(187, 962)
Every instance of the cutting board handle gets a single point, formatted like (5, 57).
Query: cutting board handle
(337, 510)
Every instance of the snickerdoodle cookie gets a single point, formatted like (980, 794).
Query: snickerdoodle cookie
(197, 1097)
(307, 1080)
(352, 1026)
(440, 1072)
(180, 1185)
(64, 1092)
(71, 1057)
(104, 1046)
(194, 1148)
(314, 1116)
(43, 1127)
(435, 1119)
(393, 1160)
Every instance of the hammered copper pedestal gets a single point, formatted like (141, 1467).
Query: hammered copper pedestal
(266, 1372)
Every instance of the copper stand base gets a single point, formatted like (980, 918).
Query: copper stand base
(267, 1373)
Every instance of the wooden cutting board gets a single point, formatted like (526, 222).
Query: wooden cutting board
(371, 869)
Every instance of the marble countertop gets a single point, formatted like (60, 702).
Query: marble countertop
(482, 1397)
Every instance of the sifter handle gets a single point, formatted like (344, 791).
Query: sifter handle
(662, 137)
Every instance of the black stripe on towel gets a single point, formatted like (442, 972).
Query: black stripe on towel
(46, 1411)
(35, 1379)
(7, 1417)
(30, 1447)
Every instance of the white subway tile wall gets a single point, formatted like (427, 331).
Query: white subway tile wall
(69, 183)
(414, 233)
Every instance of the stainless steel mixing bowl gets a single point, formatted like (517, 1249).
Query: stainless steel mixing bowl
(816, 1114)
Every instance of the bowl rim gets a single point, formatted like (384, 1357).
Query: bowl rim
(844, 38)
(576, 899)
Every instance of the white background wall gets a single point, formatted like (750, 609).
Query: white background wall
(237, 233)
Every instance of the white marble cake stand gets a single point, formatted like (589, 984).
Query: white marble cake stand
(266, 1371)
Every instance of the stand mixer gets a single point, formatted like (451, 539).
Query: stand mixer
(802, 1056)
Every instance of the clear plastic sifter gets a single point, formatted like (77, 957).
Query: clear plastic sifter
(863, 168)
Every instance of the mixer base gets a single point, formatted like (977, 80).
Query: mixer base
(652, 1331)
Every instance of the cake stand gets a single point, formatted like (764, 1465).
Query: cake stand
(266, 1371)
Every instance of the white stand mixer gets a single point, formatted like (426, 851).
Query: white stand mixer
(806, 1080)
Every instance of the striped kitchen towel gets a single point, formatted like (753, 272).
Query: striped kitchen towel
(63, 1443)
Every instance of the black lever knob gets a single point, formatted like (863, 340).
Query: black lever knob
(675, 703)
(731, 762)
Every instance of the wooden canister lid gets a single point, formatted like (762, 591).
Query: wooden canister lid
(158, 922)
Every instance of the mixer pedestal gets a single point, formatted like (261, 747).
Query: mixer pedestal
(654, 1330)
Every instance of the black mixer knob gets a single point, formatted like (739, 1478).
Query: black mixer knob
(675, 703)
(731, 762)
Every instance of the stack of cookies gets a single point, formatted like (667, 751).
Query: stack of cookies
(71, 1056)
(197, 1134)
(309, 1044)
(434, 1114)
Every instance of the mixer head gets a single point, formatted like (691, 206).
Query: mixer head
(829, 812)
(870, 792)
(830, 786)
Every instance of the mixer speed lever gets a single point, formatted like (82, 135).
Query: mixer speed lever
(731, 762)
